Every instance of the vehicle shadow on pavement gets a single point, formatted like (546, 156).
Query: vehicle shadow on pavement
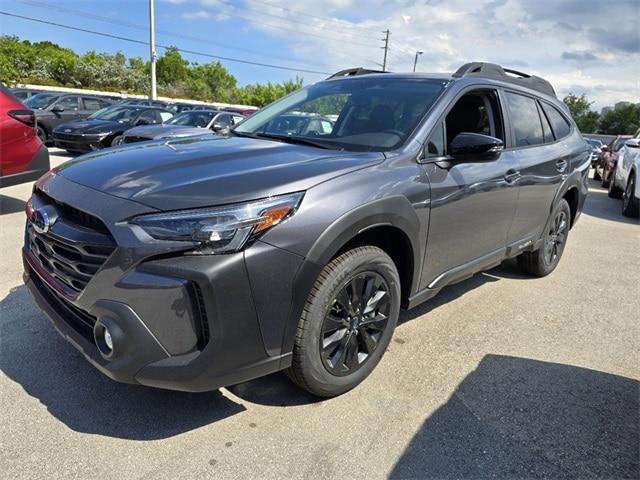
(520, 418)
(599, 205)
(10, 205)
(33, 354)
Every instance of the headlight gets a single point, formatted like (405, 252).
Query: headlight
(221, 229)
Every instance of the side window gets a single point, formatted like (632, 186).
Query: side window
(546, 128)
(148, 117)
(559, 124)
(69, 103)
(223, 120)
(93, 104)
(164, 116)
(475, 112)
(525, 120)
(435, 144)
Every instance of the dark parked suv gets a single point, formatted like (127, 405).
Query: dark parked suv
(194, 263)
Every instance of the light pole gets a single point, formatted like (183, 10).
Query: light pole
(152, 50)
(415, 61)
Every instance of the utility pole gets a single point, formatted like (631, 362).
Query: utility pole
(385, 48)
(415, 60)
(152, 51)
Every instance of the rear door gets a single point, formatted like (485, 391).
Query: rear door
(70, 105)
(544, 163)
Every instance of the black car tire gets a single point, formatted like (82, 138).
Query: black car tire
(539, 263)
(614, 192)
(630, 204)
(309, 368)
(42, 134)
(117, 140)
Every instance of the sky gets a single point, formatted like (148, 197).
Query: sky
(581, 46)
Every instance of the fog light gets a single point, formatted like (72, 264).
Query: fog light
(108, 341)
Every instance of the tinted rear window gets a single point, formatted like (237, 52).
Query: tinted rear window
(559, 124)
(525, 120)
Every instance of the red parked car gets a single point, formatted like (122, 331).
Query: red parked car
(23, 157)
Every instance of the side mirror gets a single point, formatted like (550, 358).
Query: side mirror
(219, 128)
(57, 109)
(475, 147)
(633, 143)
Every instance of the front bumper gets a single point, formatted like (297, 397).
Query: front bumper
(77, 143)
(190, 323)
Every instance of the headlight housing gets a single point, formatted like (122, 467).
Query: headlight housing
(221, 229)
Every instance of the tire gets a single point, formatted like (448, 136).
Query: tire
(42, 134)
(544, 260)
(630, 204)
(614, 192)
(605, 183)
(325, 323)
(117, 140)
(596, 174)
(74, 152)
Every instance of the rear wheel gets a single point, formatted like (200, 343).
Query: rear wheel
(347, 322)
(630, 204)
(543, 261)
(614, 192)
(42, 134)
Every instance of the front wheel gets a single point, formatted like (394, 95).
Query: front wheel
(42, 134)
(613, 191)
(545, 259)
(117, 140)
(347, 322)
(630, 203)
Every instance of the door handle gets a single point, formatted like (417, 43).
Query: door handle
(561, 165)
(511, 176)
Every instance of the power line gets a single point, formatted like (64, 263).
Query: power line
(140, 42)
(144, 28)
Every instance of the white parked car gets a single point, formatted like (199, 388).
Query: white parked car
(624, 180)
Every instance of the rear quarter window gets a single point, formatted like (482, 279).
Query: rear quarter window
(560, 125)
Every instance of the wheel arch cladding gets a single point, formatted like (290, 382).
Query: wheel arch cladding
(389, 222)
(571, 196)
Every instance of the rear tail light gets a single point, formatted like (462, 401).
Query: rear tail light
(25, 116)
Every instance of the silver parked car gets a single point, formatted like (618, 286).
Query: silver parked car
(624, 179)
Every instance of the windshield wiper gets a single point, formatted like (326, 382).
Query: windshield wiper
(296, 140)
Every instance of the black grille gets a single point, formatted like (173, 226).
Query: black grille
(71, 261)
(64, 136)
(134, 139)
(81, 321)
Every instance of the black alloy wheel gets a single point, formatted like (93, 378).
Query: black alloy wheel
(355, 323)
(556, 237)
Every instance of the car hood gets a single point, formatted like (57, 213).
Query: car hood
(209, 170)
(91, 126)
(165, 131)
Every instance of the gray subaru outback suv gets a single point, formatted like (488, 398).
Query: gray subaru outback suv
(200, 262)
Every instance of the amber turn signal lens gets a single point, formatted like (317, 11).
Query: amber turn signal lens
(271, 218)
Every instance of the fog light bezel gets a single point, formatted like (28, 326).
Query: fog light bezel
(105, 327)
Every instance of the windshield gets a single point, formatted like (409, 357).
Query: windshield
(360, 113)
(41, 100)
(193, 118)
(594, 143)
(117, 114)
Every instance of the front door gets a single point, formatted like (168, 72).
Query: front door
(472, 204)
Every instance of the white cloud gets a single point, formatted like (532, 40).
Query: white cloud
(561, 41)
(197, 15)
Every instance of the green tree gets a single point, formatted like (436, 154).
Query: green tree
(624, 120)
(580, 108)
(262, 94)
(171, 67)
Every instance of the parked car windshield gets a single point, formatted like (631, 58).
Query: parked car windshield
(41, 100)
(120, 114)
(192, 118)
(368, 113)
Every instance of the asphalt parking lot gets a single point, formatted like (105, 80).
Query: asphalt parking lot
(499, 376)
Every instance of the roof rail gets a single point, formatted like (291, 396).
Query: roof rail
(352, 72)
(496, 72)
